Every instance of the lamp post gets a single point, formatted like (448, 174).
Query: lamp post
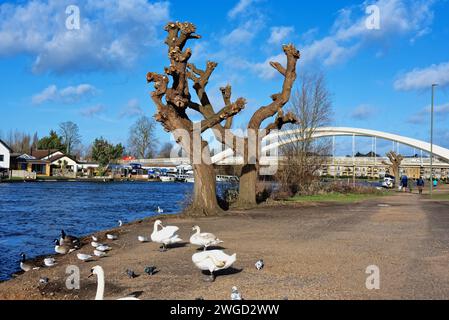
(431, 140)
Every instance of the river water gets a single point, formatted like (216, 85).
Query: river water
(32, 214)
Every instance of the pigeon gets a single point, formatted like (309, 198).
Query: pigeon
(259, 264)
(150, 270)
(199, 299)
(131, 274)
(44, 280)
(235, 294)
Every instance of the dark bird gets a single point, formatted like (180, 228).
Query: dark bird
(259, 264)
(199, 299)
(151, 270)
(69, 240)
(131, 274)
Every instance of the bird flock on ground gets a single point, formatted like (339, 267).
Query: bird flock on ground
(211, 261)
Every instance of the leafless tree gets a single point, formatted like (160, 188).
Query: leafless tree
(142, 141)
(165, 150)
(304, 156)
(394, 165)
(172, 99)
(70, 136)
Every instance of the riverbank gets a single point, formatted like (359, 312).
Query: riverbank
(311, 251)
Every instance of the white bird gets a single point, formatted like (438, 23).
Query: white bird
(84, 257)
(94, 239)
(120, 223)
(99, 272)
(159, 210)
(112, 236)
(62, 249)
(212, 261)
(235, 294)
(49, 262)
(95, 244)
(104, 248)
(204, 239)
(100, 253)
(259, 264)
(142, 239)
(165, 236)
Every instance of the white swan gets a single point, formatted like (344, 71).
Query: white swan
(99, 272)
(212, 261)
(204, 239)
(165, 236)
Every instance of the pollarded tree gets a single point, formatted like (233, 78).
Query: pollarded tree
(172, 99)
(171, 113)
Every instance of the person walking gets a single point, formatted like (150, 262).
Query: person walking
(420, 184)
(404, 182)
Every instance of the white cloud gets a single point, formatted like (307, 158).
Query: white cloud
(71, 94)
(132, 109)
(112, 35)
(441, 112)
(423, 78)
(279, 34)
(240, 7)
(90, 112)
(348, 34)
(363, 112)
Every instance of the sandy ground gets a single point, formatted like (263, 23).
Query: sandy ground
(310, 252)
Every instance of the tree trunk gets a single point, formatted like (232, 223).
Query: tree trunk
(204, 197)
(247, 186)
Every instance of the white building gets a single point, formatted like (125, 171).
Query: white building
(5, 156)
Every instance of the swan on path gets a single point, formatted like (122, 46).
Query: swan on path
(99, 272)
(204, 239)
(212, 261)
(166, 236)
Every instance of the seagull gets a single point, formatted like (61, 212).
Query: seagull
(94, 239)
(235, 294)
(95, 244)
(131, 274)
(112, 236)
(120, 223)
(150, 270)
(84, 257)
(159, 210)
(103, 248)
(49, 262)
(99, 253)
(259, 264)
(143, 239)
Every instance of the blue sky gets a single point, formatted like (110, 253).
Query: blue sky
(95, 76)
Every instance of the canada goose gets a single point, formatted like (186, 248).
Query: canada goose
(165, 236)
(25, 265)
(204, 240)
(62, 248)
(69, 240)
(99, 272)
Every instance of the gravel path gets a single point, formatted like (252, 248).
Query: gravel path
(310, 252)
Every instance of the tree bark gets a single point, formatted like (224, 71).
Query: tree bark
(204, 198)
(247, 186)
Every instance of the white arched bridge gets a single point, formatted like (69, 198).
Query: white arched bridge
(290, 136)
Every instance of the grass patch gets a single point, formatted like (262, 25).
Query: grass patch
(338, 197)
(440, 196)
